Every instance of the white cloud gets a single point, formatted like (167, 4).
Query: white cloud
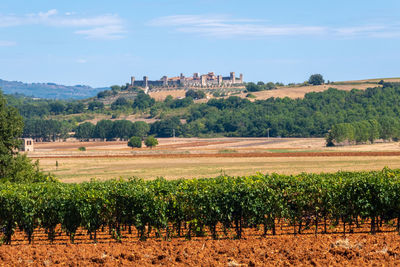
(47, 14)
(7, 43)
(106, 27)
(110, 32)
(225, 27)
(81, 61)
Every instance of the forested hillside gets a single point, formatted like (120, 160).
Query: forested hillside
(312, 116)
(48, 90)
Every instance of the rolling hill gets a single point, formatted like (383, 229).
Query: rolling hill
(49, 90)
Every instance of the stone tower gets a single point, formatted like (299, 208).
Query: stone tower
(219, 80)
(203, 80)
(133, 81)
(146, 81)
(241, 78)
(164, 79)
(233, 78)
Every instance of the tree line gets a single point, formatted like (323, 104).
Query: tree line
(386, 128)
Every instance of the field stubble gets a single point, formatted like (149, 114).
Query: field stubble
(196, 157)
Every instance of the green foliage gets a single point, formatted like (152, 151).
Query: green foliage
(11, 126)
(103, 129)
(235, 203)
(85, 131)
(14, 167)
(252, 87)
(20, 169)
(140, 128)
(260, 86)
(150, 141)
(95, 105)
(46, 130)
(120, 103)
(166, 127)
(135, 141)
(82, 148)
(143, 101)
(195, 94)
(316, 79)
(312, 116)
(361, 132)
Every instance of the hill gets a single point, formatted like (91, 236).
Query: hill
(49, 90)
(291, 91)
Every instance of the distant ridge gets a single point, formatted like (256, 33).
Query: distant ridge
(49, 90)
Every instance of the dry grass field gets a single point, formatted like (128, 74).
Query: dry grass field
(299, 92)
(195, 157)
(291, 92)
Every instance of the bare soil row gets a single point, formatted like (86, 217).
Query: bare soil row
(232, 155)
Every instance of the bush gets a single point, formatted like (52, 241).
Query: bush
(151, 141)
(195, 94)
(82, 148)
(316, 79)
(135, 141)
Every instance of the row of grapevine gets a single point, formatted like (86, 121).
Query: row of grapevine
(164, 207)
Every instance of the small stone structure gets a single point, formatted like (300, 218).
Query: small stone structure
(27, 144)
(209, 80)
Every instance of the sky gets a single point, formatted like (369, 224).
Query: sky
(102, 43)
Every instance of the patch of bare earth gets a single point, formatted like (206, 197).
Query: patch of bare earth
(282, 250)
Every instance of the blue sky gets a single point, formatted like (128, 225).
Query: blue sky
(101, 43)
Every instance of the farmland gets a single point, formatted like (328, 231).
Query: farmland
(197, 221)
(195, 158)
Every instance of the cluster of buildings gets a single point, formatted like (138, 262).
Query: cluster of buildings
(209, 80)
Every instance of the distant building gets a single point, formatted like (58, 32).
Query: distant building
(209, 80)
(27, 144)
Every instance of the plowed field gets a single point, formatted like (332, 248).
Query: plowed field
(285, 250)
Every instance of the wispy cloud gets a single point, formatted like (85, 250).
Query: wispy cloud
(110, 32)
(7, 43)
(226, 27)
(104, 27)
(374, 31)
(223, 26)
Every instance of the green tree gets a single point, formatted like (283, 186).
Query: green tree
(14, 167)
(103, 129)
(316, 79)
(252, 87)
(85, 131)
(11, 126)
(151, 141)
(121, 102)
(135, 141)
(195, 94)
(121, 129)
(140, 128)
(95, 105)
(143, 101)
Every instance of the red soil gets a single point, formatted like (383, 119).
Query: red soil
(284, 249)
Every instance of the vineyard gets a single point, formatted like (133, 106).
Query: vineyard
(222, 207)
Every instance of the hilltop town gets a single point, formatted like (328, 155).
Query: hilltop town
(209, 80)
